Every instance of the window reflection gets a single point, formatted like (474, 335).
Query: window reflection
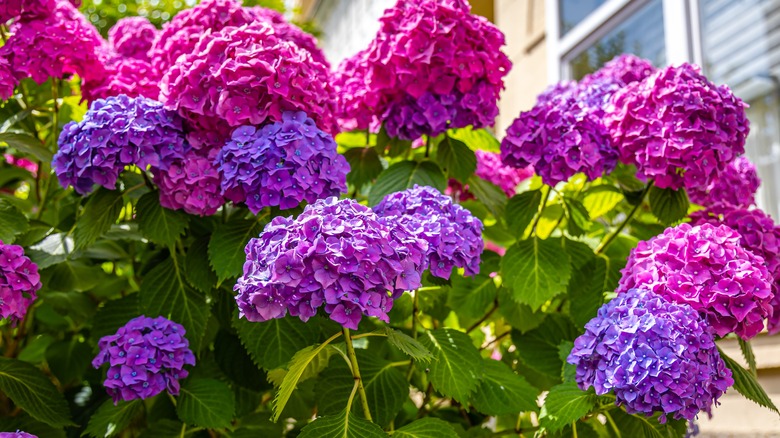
(572, 12)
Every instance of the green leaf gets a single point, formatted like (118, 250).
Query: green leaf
(164, 292)
(27, 144)
(521, 209)
(408, 345)
(159, 224)
(110, 420)
(489, 194)
(206, 403)
(457, 366)
(577, 217)
(747, 352)
(538, 349)
(428, 427)
(298, 364)
(648, 427)
(30, 425)
(312, 370)
(569, 371)
(72, 276)
(69, 359)
(404, 175)
(536, 270)
(519, 316)
(586, 290)
(343, 425)
(272, 344)
(600, 200)
(12, 222)
(114, 314)
(364, 164)
(196, 264)
(747, 385)
(476, 139)
(564, 404)
(456, 159)
(102, 211)
(668, 205)
(393, 147)
(226, 247)
(35, 350)
(502, 392)
(32, 391)
(471, 296)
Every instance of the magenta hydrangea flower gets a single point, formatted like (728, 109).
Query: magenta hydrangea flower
(248, 75)
(146, 356)
(19, 282)
(132, 37)
(192, 184)
(622, 70)
(290, 32)
(281, 164)
(116, 132)
(17, 434)
(7, 80)
(653, 354)
(706, 267)
(357, 105)
(432, 66)
(559, 138)
(61, 43)
(28, 9)
(131, 77)
(22, 163)
(337, 254)
(453, 234)
(735, 187)
(180, 36)
(677, 127)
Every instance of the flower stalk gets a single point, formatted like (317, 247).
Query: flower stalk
(356, 374)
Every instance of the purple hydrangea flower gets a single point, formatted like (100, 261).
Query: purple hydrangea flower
(281, 164)
(19, 282)
(432, 66)
(132, 37)
(337, 253)
(655, 355)
(453, 235)
(7, 80)
(192, 184)
(677, 127)
(555, 90)
(559, 138)
(17, 434)
(117, 132)
(708, 268)
(146, 356)
(735, 187)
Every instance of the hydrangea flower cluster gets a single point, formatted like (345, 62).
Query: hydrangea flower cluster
(290, 32)
(655, 355)
(248, 75)
(281, 164)
(17, 434)
(146, 356)
(19, 282)
(54, 45)
(337, 253)
(132, 77)
(621, 70)
(453, 235)
(22, 163)
(11, 9)
(132, 37)
(114, 133)
(559, 138)
(677, 127)
(180, 35)
(7, 80)
(735, 187)
(192, 184)
(432, 66)
(706, 267)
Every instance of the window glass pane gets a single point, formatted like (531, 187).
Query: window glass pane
(574, 11)
(641, 34)
(740, 48)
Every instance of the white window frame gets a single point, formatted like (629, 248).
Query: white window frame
(681, 32)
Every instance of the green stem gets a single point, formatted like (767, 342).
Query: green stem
(612, 236)
(428, 145)
(415, 309)
(484, 318)
(356, 374)
(574, 429)
(612, 423)
(183, 430)
(368, 335)
(400, 363)
(545, 195)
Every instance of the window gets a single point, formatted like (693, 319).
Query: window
(574, 11)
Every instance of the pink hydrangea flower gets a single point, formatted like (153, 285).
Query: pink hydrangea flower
(191, 184)
(19, 282)
(22, 163)
(735, 187)
(7, 80)
(677, 127)
(290, 32)
(707, 267)
(132, 37)
(622, 70)
(248, 75)
(11, 9)
(132, 77)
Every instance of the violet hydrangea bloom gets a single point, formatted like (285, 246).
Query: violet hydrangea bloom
(146, 356)
(281, 164)
(559, 138)
(54, 45)
(677, 127)
(132, 37)
(337, 253)
(706, 267)
(654, 355)
(114, 133)
(19, 282)
(7, 80)
(735, 187)
(453, 234)
(17, 434)
(192, 184)
(248, 75)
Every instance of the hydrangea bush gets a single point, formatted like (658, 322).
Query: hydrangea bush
(242, 242)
